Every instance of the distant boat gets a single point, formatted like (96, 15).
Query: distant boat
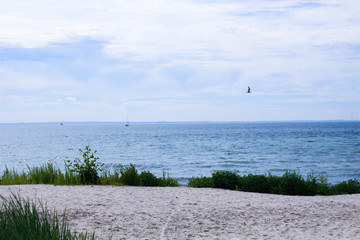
(127, 123)
(61, 124)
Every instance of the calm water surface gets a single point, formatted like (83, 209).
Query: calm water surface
(186, 150)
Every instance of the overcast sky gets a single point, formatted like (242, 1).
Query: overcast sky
(183, 60)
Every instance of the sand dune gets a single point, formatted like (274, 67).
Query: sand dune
(189, 213)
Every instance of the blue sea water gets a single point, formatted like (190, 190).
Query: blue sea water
(184, 150)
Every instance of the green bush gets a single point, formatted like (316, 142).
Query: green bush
(293, 183)
(347, 187)
(130, 176)
(87, 168)
(318, 185)
(225, 179)
(148, 179)
(274, 184)
(290, 183)
(167, 181)
(254, 183)
(201, 182)
(20, 219)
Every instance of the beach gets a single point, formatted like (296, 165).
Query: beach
(197, 213)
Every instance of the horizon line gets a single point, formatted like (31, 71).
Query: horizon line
(170, 122)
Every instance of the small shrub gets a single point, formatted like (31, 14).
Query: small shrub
(293, 183)
(87, 168)
(148, 179)
(254, 183)
(274, 183)
(201, 182)
(347, 187)
(168, 181)
(130, 176)
(225, 179)
(318, 185)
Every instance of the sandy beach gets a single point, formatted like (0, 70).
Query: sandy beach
(189, 213)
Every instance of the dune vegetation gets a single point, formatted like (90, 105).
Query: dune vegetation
(24, 219)
(290, 183)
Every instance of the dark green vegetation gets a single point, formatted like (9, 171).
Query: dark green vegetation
(85, 171)
(291, 183)
(88, 168)
(21, 219)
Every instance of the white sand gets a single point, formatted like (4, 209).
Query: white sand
(189, 213)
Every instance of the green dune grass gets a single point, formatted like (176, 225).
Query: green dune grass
(22, 219)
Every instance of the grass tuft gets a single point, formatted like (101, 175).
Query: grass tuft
(22, 219)
(130, 176)
(45, 174)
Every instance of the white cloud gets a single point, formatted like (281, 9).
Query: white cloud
(148, 30)
(70, 99)
(164, 51)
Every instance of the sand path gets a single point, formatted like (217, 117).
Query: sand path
(189, 213)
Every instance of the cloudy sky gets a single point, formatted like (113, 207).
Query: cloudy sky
(179, 60)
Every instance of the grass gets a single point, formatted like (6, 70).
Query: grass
(290, 183)
(49, 174)
(84, 171)
(21, 219)
(45, 174)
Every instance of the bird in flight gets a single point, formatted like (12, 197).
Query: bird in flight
(248, 91)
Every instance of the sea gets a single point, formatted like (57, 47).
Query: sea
(185, 150)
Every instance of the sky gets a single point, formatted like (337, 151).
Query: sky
(183, 60)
